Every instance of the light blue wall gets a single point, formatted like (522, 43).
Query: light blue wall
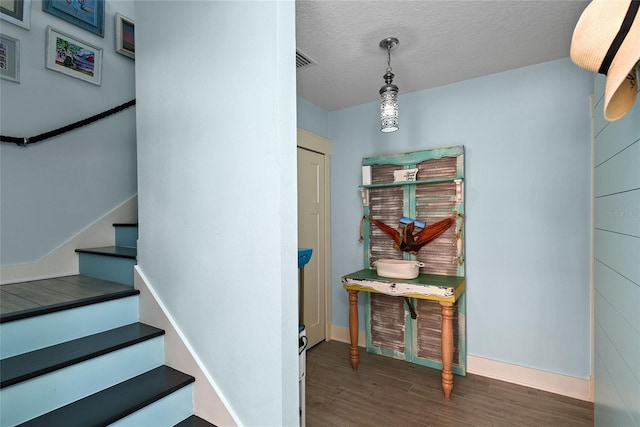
(217, 191)
(617, 272)
(312, 118)
(527, 138)
(52, 190)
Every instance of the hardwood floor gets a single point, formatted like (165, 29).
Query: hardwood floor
(389, 392)
(27, 298)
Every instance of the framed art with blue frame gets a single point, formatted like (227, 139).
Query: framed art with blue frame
(86, 14)
(17, 12)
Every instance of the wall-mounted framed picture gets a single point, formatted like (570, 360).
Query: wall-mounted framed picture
(9, 58)
(17, 12)
(125, 36)
(73, 57)
(86, 14)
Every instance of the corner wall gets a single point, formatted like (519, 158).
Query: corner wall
(527, 138)
(217, 191)
(53, 190)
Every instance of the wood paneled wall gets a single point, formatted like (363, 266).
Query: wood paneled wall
(616, 265)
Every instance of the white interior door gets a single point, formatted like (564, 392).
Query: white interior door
(311, 234)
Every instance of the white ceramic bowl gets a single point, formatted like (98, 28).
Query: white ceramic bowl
(397, 268)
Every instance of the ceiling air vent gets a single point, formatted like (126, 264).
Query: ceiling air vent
(302, 60)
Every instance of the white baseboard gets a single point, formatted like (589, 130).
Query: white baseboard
(577, 388)
(208, 402)
(342, 335)
(63, 260)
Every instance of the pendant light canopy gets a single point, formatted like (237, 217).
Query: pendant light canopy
(389, 92)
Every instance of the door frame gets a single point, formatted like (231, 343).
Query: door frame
(309, 141)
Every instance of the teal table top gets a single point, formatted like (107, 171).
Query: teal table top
(422, 279)
(426, 286)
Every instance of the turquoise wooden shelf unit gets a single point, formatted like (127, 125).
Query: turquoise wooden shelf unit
(428, 186)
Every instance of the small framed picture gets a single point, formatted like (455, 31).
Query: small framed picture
(73, 57)
(17, 12)
(9, 58)
(86, 14)
(125, 36)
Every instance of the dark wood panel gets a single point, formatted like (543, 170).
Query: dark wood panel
(390, 392)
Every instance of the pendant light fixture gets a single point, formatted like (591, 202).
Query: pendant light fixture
(389, 92)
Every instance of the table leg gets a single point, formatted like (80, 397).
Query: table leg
(353, 327)
(447, 347)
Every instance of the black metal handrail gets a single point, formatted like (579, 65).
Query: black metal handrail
(23, 141)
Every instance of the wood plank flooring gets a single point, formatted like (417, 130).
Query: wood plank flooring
(33, 296)
(389, 392)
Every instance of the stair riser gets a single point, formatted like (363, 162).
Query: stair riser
(31, 398)
(126, 236)
(167, 411)
(33, 333)
(115, 269)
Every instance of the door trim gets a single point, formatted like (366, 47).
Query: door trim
(309, 141)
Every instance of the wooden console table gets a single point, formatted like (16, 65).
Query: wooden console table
(444, 289)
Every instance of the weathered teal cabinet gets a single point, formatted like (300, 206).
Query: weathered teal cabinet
(428, 186)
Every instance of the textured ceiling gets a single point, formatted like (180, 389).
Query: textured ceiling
(441, 42)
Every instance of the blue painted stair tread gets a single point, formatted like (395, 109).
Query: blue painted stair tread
(194, 421)
(304, 255)
(29, 299)
(39, 362)
(117, 402)
(115, 251)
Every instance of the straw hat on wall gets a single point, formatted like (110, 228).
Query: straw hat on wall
(606, 40)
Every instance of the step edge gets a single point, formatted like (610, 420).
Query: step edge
(151, 399)
(33, 312)
(186, 380)
(193, 420)
(83, 357)
(101, 251)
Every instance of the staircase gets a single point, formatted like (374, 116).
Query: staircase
(72, 352)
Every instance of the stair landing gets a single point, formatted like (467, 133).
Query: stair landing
(33, 298)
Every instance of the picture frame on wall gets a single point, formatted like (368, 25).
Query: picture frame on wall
(17, 12)
(71, 56)
(9, 58)
(125, 36)
(86, 14)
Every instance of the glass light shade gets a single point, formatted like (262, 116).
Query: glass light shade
(389, 108)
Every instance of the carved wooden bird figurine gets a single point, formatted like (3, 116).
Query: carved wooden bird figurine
(406, 240)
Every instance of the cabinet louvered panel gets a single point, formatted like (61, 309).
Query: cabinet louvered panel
(435, 202)
(387, 322)
(383, 173)
(436, 194)
(438, 168)
(429, 330)
(386, 206)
